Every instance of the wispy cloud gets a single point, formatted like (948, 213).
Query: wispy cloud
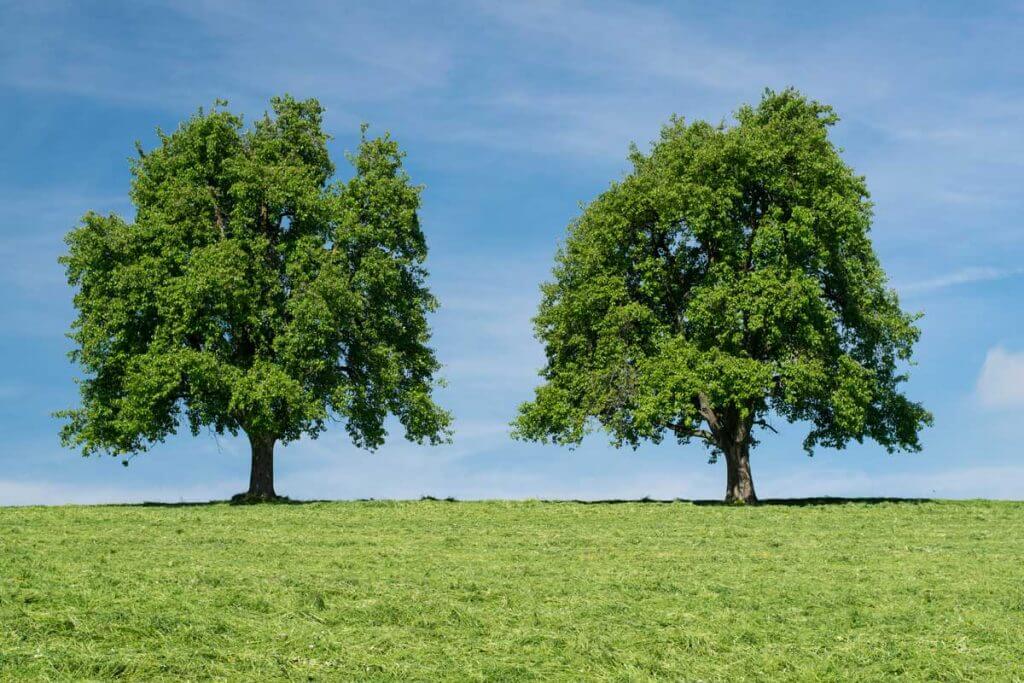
(591, 38)
(485, 330)
(32, 233)
(190, 53)
(10, 391)
(983, 129)
(963, 276)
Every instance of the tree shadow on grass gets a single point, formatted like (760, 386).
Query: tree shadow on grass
(206, 503)
(786, 502)
(789, 502)
(280, 501)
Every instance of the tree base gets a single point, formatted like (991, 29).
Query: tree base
(248, 498)
(741, 500)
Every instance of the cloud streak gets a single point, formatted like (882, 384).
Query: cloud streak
(963, 276)
(182, 55)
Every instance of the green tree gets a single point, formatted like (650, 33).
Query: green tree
(254, 294)
(727, 278)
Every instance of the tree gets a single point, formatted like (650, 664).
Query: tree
(254, 294)
(727, 278)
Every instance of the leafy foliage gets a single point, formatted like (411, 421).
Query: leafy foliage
(252, 293)
(728, 277)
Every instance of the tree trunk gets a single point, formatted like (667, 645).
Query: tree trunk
(731, 433)
(261, 474)
(739, 485)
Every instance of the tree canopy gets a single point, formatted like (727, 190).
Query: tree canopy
(729, 277)
(254, 293)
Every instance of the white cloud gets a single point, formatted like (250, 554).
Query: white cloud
(963, 276)
(1001, 382)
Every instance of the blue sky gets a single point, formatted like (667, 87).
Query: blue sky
(512, 114)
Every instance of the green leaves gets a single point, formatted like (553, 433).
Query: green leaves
(731, 269)
(251, 293)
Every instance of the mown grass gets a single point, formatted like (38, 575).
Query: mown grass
(514, 590)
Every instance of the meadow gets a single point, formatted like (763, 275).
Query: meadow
(433, 590)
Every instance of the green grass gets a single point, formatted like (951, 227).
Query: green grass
(508, 591)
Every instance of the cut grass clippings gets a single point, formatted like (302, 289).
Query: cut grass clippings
(434, 590)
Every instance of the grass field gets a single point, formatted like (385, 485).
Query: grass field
(507, 591)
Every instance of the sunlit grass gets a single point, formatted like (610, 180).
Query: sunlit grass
(501, 590)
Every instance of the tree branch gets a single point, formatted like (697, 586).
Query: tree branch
(263, 223)
(683, 430)
(708, 412)
(218, 215)
(353, 374)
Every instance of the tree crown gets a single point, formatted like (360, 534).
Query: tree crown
(253, 293)
(728, 276)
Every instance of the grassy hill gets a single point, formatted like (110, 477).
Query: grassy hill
(514, 590)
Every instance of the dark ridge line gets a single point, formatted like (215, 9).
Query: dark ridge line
(768, 502)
